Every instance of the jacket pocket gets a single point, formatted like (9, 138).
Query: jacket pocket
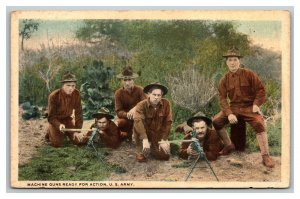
(246, 89)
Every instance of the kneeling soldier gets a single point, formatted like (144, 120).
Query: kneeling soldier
(152, 124)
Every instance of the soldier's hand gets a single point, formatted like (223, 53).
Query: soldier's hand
(146, 147)
(129, 116)
(190, 151)
(232, 119)
(164, 145)
(61, 127)
(256, 109)
(131, 113)
(79, 137)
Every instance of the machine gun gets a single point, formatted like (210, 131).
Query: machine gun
(196, 146)
(90, 144)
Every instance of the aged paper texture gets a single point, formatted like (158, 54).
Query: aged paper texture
(45, 43)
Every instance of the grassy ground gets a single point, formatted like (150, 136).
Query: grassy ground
(68, 163)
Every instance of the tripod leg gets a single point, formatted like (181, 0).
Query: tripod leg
(192, 168)
(211, 169)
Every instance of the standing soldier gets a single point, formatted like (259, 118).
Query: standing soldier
(246, 93)
(64, 111)
(152, 124)
(126, 98)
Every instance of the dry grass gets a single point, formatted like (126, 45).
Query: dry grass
(191, 89)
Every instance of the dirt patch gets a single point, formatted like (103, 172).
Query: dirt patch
(31, 137)
(241, 167)
(238, 166)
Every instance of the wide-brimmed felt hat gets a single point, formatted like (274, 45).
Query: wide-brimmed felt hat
(202, 117)
(103, 112)
(68, 77)
(156, 85)
(233, 52)
(127, 73)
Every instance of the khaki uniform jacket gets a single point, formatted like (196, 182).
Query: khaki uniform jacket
(111, 135)
(125, 101)
(243, 88)
(151, 123)
(212, 145)
(61, 105)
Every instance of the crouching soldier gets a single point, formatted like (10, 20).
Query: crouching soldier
(64, 111)
(207, 137)
(152, 124)
(126, 98)
(109, 134)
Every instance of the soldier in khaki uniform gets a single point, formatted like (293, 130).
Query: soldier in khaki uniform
(208, 138)
(152, 124)
(126, 99)
(64, 111)
(246, 93)
(109, 134)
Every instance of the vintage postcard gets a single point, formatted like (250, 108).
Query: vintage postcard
(104, 99)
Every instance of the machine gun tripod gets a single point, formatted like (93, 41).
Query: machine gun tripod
(201, 156)
(196, 146)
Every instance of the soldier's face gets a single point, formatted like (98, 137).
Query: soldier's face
(102, 123)
(155, 96)
(201, 129)
(233, 63)
(69, 87)
(127, 83)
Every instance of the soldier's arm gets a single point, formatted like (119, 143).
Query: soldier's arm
(111, 136)
(52, 112)
(167, 122)
(183, 147)
(139, 118)
(260, 93)
(223, 97)
(78, 112)
(119, 107)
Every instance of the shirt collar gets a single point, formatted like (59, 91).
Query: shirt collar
(237, 73)
(149, 104)
(64, 94)
(132, 89)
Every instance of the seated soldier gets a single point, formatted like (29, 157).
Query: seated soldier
(109, 133)
(207, 137)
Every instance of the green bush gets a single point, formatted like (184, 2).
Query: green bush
(274, 137)
(95, 92)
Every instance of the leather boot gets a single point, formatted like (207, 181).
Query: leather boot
(267, 161)
(262, 140)
(224, 136)
(140, 158)
(47, 136)
(227, 149)
(123, 134)
(229, 146)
